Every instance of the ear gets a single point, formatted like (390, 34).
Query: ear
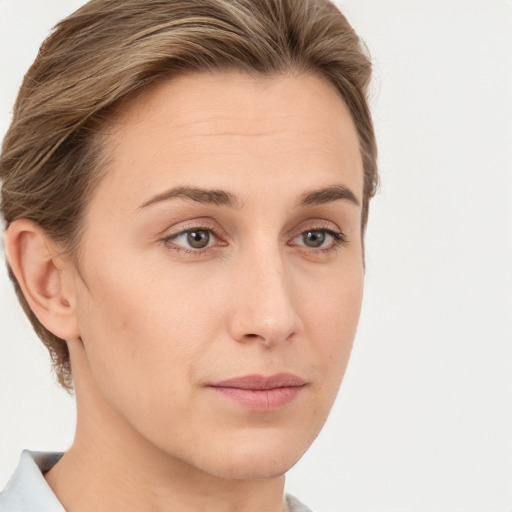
(45, 278)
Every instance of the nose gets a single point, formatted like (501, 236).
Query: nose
(264, 302)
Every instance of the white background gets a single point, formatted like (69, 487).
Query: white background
(424, 417)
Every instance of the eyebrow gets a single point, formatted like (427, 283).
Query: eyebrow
(222, 198)
(200, 195)
(328, 195)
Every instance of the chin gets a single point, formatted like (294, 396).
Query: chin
(255, 459)
(252, 467)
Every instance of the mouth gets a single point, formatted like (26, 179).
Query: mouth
(259, 393)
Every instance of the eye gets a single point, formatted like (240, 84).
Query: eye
(319, 238)
(314, 238)
(195, 238)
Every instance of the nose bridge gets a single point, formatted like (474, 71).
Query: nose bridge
(265, 302)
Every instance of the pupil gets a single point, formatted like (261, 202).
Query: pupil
(314, 238)
(198, 239)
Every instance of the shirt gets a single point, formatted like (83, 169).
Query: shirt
(27, 490)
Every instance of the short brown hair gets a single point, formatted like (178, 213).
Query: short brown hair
(108, 51)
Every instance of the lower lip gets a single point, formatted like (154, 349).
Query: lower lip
(261, 400)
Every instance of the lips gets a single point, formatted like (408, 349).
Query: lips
(260, 393)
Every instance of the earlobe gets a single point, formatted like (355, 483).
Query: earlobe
(43, 277)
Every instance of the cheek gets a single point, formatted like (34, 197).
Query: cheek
(146, 325)
(332, 318)
(333, 311)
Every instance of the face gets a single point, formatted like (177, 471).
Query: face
(221, 268)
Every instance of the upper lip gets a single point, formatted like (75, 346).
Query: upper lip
(279, 380)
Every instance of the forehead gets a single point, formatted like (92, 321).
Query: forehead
(211, 103)
(235, 127)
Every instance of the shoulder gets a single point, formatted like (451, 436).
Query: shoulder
(27, 490)
(294, 505)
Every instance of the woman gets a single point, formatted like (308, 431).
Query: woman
(185, 190)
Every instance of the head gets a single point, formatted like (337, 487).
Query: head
(194, 186)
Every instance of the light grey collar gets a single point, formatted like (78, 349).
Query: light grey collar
(27, 490)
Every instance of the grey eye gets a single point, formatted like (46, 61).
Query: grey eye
(313, 238)
(198, 239)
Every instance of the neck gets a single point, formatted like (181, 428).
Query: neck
(127, 472)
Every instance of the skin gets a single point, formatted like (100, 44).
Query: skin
(152, 321)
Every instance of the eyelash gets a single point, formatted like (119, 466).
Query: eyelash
(339, 239)
(167, 241)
